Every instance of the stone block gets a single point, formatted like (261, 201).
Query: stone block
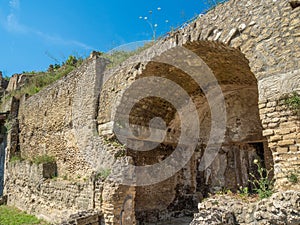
(275, 138)
(286, 142)
(262, 106)
(268, 132)
(282, 150)
(271, 104)
(290, 136)
(283, 131)
(266, 110)
(293, 148)
(272, 125)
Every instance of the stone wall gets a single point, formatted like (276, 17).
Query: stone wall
(280, 208)
(36, 190)
(59, 121)
(282, 127)
(49, 122)
(269, 47)
(252, 49)
(16, 82)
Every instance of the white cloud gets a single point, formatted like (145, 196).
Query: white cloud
(61, 41)
(14, 4)
(12, 24)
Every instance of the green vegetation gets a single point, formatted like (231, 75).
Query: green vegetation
(41, 159)
(36, 81)
(243, 191)
(103, 174)
(292, 100)
(13, 216)
(293, 178)
(8, 125)
(115, 143)
(117, 57)
(36, 160)
(263, 185)
(16, 158)
(119, 154)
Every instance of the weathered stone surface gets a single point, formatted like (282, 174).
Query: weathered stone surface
(53, 199)
(251, 59)
(280, 209)
(89, 217)
(3, 200)
(16, 82)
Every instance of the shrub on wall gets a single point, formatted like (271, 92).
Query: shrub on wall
(292, 100)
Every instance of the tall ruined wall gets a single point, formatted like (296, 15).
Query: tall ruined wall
(251, 47)
(60, 121)
(46, 121)
(282, 128)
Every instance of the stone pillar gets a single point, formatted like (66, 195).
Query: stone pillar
(282, 129)
(118, 204)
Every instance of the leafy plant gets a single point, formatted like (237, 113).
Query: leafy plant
(243, 191)
(263, 185)
(115, 143)
(36, 81)
(293, 101)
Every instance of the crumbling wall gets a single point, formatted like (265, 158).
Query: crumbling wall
(46, 122)
(248, 45)
(282, 126)
(270, 46)
(36, 190)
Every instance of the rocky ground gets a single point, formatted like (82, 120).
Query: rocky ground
(282, 208)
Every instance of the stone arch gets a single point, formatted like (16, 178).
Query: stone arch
(261, 46)
(243, 140)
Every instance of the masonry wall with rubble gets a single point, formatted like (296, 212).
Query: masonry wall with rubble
(252, 49)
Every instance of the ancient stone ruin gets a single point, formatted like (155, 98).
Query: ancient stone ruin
(237, 64)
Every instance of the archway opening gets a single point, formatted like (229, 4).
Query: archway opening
(179, 195)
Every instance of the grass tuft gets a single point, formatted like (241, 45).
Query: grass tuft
(12, 216)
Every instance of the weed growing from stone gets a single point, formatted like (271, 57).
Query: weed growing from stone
(16, 158)
(43, 159)
(293, 178)
(243, 191)
(263, 185)
(293, 101)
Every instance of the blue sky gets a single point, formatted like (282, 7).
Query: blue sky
(36, 33)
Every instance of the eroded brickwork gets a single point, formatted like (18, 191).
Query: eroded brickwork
(282, 128)
(252, 49)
